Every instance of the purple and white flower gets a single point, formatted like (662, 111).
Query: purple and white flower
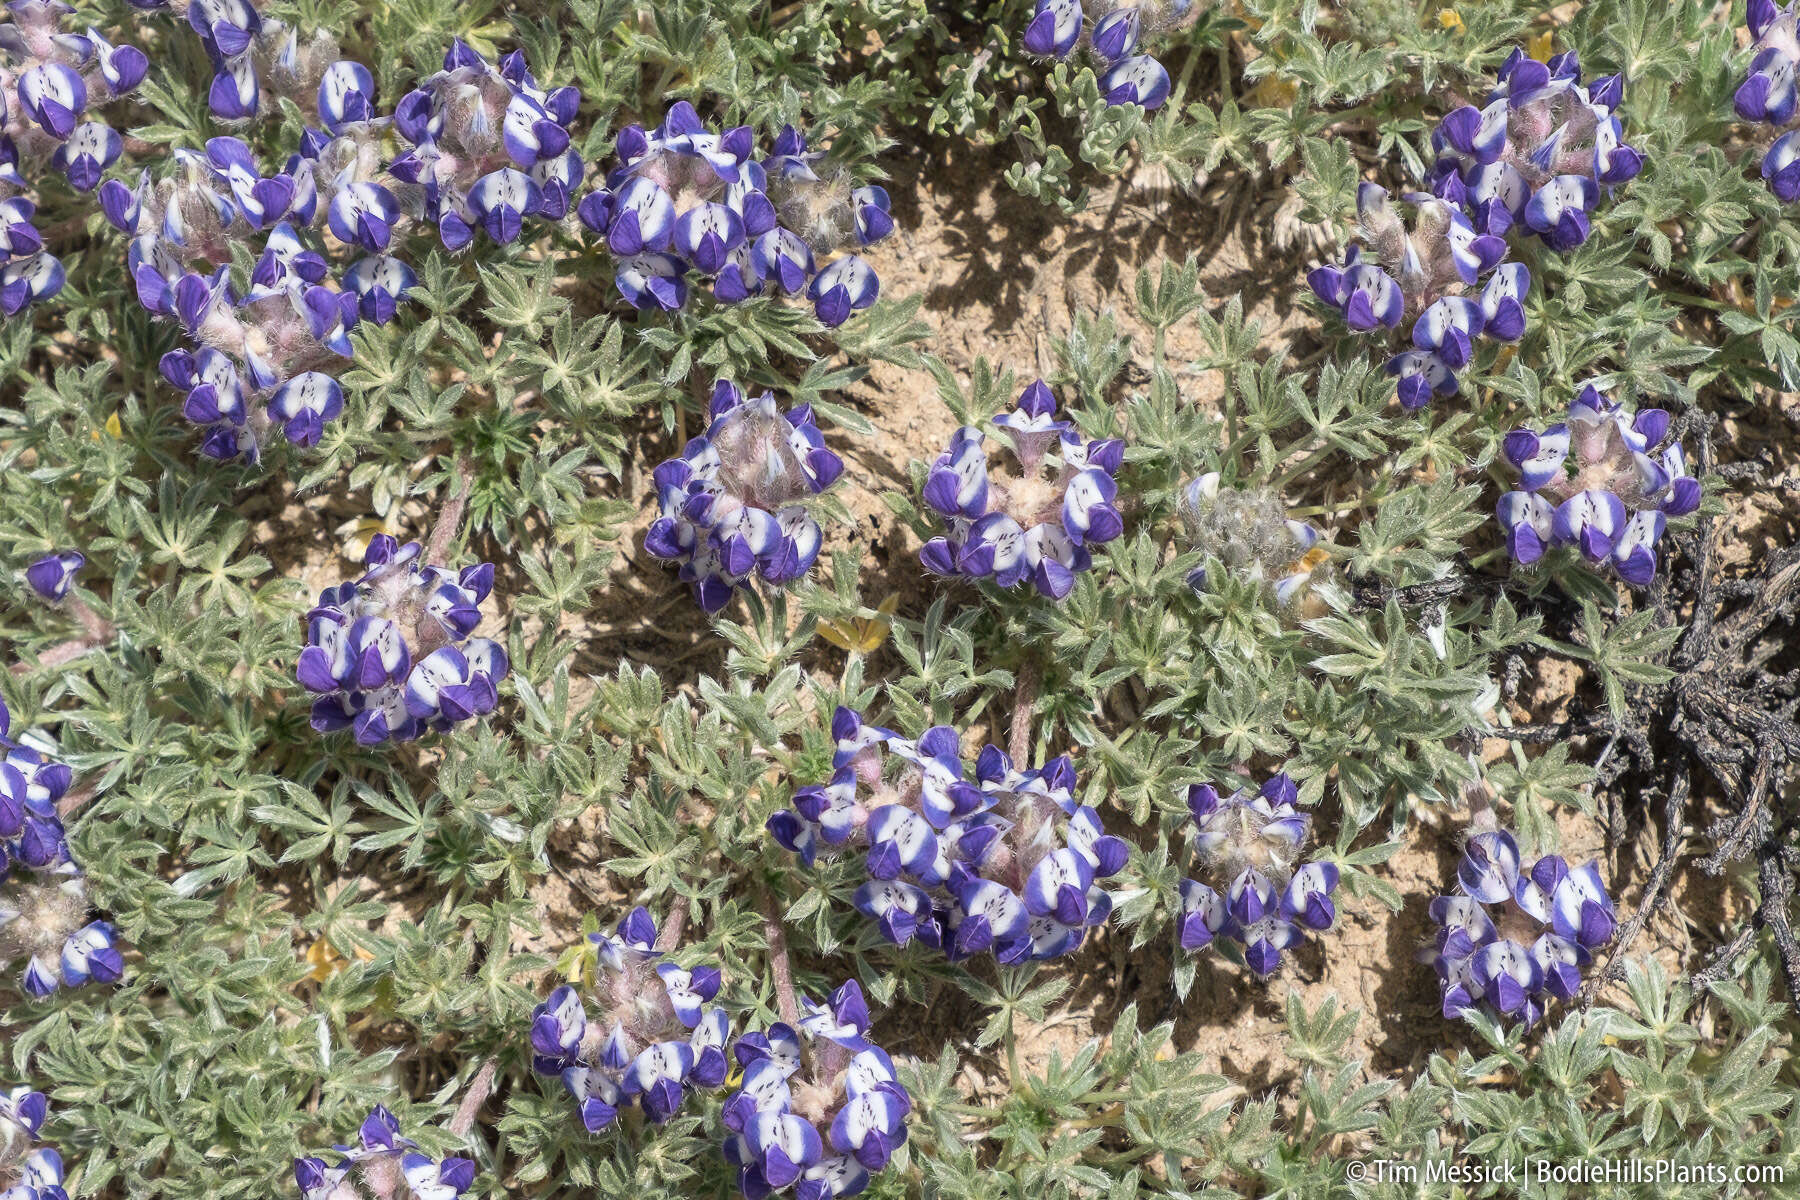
(1510, 938)
(732, 505)
(390, 656)
(1606, 482)
(1261, 898)
(654, 1034)
(820, 1109)
(1037, 523)
(51, 576)
(1112, 31)
(989, 859)
(1539, 153)
(382, 1161)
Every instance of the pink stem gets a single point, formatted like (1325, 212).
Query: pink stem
(669, 936)
(450, 516)
(1024, 698)
(779, 966)
(479, 1087)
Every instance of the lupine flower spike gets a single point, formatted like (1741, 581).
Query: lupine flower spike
(27, 1173)
(1034, 518)
(1540, 154)
(1262, 897)
(731, 505)
(820, 1110)
(1114, 31)
(44, 925)
(995, 859)
(1604, 482)
(1767, 95)
(1431, 276)
(51, 77)
(1249, 532)
(1511, 938)
(382, 1164)
(389, 654)
(685, 199)
(653, 1038)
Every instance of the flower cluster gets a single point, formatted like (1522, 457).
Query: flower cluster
(819, 1109)
(250, 52)
(998, 859)
(731, 505)
(1117, 26)
(1034, 518)
(1430, 276)
(43, 893)
(1539, 154)
(1249, 532)
(1510, 937)
(49, 76)
(683, 199)
(1597, 482)
(1249, 845)
(389, 654)
(27, 1173)
(381, 1163)
(1767, 95)
(653, 1038)
(489, 147)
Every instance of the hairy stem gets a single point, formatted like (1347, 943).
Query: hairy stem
(450, 516)
(669, 936)
(779, 965)
(479, 1088)
(1024, 698)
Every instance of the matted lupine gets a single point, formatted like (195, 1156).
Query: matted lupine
(1539, 154)
(1249, 532)
(684, 199)
(1114, 31)
(820, 1109)
(44, 913)
(731, 504)
(1034, 517)
(1511, 938)
(380, 1165)
(1259, 895)
(258, 61)
(52, 75)
(965, 861)
(27, 1172)
(489, 148)
(653, 1036)
(1430, 275)
(1606, 482)
(1767, 95)
(389, 655)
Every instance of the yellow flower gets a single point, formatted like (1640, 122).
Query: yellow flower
(859, 636)
(1452, 20)
(112, 426)
(325, 961)
(1540, 45)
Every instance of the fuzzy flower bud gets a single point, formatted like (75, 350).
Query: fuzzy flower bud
(1249, 532)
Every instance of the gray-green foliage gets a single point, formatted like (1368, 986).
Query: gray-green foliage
(227, 840)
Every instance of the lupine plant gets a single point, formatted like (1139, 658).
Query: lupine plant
(1148, 771)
